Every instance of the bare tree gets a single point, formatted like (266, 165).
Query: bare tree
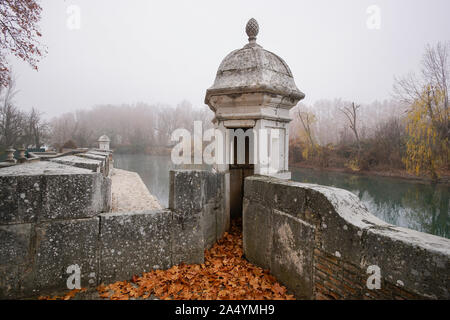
(436, 68)
(35, 128)
(11, 118)
(63, 128)
(351, 113)
(307, 119)
(434, 80)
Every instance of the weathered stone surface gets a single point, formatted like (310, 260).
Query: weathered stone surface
(186, 192)
(44, 190)
(345, 238)
(79, 162)
(20, 198)
(74, 196)
(292, 253)
(223, 212)
(258, 233)
(133, 243)
(15, 240)
(187, 238)
(35, 256)
(41, 168)
(105, 164)
(106, 192)
(413, 260)
(209, 224)
(96, 157)
(99, 153)
(60, 244)
(197, 198)
(15, 246)
(254, 69)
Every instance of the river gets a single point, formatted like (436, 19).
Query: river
(419, 206)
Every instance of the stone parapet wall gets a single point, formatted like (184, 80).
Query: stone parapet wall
(80, 162)
(322, 243)
(109, 247)
(48, 221)
(54, 217)
(204, 197)
(43, 191)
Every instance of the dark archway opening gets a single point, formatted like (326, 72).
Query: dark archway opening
(238, 172)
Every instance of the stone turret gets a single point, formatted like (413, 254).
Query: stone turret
(103, 143)
(254, 88)
(251, 97)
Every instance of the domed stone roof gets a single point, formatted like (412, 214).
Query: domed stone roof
(104, 138)
(254, 69)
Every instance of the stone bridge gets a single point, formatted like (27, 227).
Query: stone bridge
(320, 242)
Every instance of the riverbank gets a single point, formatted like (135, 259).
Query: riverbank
(399, 174)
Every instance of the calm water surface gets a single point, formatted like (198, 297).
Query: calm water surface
(423, 207)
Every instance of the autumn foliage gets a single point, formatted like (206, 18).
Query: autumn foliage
(19, 34)
(225, 275)
(428, 128)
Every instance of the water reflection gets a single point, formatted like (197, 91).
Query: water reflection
(423, 207)
(419, 206)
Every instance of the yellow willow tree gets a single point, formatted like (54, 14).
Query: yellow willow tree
(427, 148)
(308, 119)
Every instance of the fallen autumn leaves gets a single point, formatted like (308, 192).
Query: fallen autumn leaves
(225, 275)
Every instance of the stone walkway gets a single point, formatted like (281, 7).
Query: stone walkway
(129, 193)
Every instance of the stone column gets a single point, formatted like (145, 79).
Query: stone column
(10, 155)
(22, 157)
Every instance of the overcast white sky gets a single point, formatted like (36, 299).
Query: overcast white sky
(164, 51)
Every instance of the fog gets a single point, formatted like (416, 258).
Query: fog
(167, 51)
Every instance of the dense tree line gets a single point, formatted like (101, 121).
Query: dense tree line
(339, 133)
(411, 131)
(19, 128)
(131, 128)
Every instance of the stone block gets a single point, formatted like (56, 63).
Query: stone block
(186, 192)
(79, 162)
(42, 191)
(257, 233)
(15, 251)
(73, 196)
(198, 199)
(347, 239)
(409, 259)
(208, 223)
(187, 237)
(20, 198)
(210, 185)
(133, 243)
(292, 253)
(104, 162)
(106, 194)
(223, 197)
(60, 244)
